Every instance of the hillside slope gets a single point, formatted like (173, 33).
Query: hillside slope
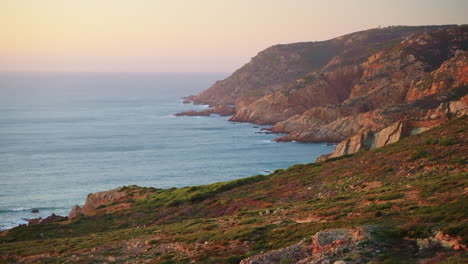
(402, 203)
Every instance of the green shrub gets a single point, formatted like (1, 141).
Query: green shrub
(441, 141)
(391, 196)
(233, 259)
(286, 261)
(447, 141)
(455, 260)
(419, 155)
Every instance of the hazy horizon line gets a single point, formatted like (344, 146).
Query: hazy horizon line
(114, 72)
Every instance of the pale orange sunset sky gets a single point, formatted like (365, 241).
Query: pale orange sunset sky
(187, 36)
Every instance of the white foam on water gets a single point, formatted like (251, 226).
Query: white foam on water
(20, 209)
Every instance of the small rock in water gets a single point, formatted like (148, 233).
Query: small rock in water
(35, 211)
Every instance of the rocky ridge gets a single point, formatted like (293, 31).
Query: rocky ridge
(346, 93)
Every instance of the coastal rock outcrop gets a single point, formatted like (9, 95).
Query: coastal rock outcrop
(109, 201)
(75, 212)
(53, 218)
(95, 201)
(369, 140)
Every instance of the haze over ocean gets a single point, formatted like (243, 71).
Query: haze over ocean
(65, 135)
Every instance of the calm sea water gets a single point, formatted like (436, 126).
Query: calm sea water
(63, 136)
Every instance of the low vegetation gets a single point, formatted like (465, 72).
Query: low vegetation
(412, 189)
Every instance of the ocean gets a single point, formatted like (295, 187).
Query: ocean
(65, 135)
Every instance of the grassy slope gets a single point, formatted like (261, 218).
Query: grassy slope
(413, 188)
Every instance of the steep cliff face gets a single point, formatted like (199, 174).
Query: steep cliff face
(278, 66)
(331, 84)
(269, 71)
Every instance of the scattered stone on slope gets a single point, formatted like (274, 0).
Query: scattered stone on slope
(441, 240)
(324, 247)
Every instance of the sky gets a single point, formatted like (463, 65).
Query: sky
(189, 35)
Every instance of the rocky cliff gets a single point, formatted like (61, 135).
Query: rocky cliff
(345, 92)
(280, 66)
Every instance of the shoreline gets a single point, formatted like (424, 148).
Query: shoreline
(259, 130)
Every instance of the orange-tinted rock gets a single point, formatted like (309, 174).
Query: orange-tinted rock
(360, 90)
(451, 74)
(96, 200)
(281, 68)
(315, 89)
(75, 212)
